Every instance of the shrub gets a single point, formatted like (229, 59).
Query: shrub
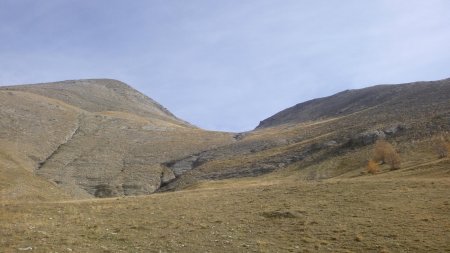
(372, 167)
(393, 159)
(385, 153)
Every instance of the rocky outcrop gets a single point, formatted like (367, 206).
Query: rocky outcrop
(181, 166)
(370, 137)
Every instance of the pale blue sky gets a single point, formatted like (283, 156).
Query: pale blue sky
(226, 64)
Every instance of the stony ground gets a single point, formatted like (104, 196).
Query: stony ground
(274, 213)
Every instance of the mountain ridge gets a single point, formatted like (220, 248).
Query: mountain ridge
(343, 103)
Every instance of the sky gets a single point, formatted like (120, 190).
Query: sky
(226, 64)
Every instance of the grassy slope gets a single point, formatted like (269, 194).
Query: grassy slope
(24, 140)
(18, 183)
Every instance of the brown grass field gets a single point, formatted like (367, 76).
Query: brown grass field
(394, 211)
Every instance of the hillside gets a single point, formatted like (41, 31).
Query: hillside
(101, 138)
(95, 137)
(331, 136)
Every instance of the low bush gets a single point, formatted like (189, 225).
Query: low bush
(384, 152)
(372, 167)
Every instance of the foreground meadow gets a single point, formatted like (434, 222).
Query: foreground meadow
(274, 213)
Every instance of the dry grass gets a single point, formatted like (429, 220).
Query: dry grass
(18, 183)
(267, 214)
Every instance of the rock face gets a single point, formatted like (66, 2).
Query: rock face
(97, 137)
